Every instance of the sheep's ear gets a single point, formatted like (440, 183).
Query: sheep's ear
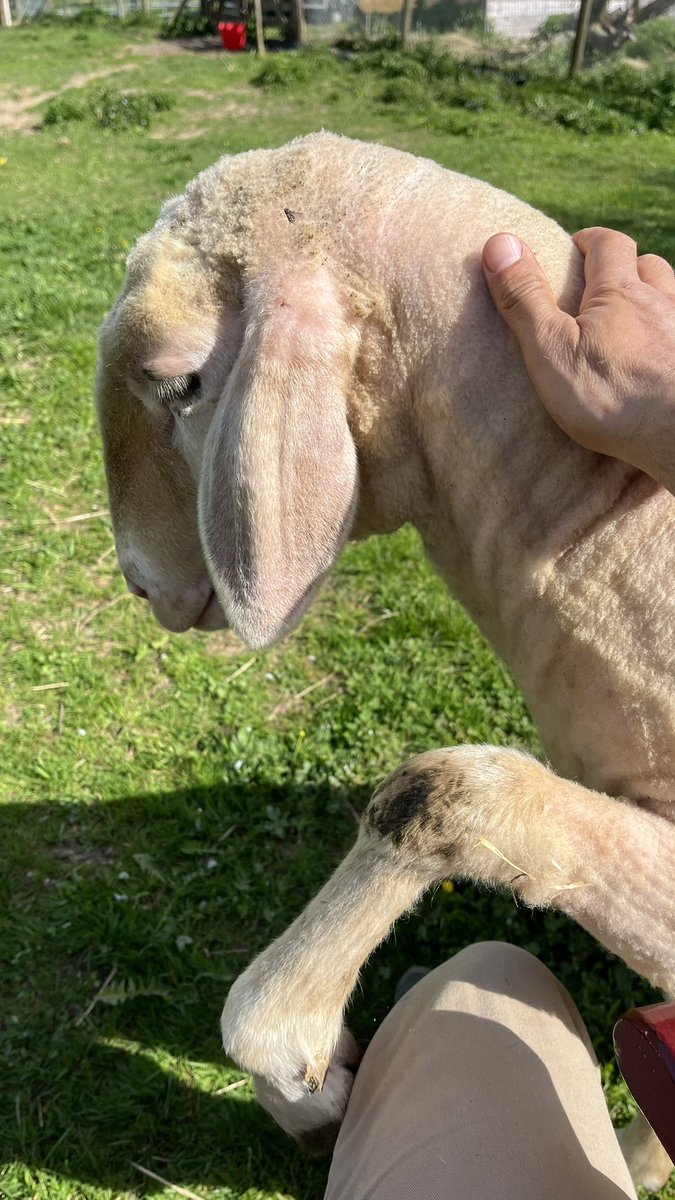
(279, 475)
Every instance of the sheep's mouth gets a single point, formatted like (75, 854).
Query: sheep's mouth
(211, 617)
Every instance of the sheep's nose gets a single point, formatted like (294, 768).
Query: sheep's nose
(136, 590)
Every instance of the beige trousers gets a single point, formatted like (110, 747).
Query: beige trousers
(480, 1084)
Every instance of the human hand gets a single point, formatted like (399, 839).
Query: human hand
(607, 376)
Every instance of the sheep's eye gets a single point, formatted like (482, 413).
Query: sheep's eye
(179, 392)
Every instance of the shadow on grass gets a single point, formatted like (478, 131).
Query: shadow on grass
(168, 897)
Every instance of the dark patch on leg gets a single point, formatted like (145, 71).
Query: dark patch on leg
(397, 805)
(411, 807)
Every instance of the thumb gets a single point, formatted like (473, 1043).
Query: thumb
(522, 294)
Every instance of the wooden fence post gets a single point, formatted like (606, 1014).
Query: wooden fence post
(580, 36)
(298, 22)
(406, 23)
(174, 20)
(259, 32)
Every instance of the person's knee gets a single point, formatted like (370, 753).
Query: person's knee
(500, 970)
(496, 958)
(509, 973)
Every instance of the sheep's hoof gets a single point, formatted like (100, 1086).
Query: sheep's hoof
(315, 1077)
(313, 1116)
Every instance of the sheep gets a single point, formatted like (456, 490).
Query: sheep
(304, 351)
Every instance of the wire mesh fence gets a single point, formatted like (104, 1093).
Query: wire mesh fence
(522, 18)
(516, 19)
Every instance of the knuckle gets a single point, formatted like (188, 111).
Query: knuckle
(553, 335)
(597, 234)
(655, 260)
(616, 239)
(625, 239)
(521, 291)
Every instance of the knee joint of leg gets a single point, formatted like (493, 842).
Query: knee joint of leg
(413, 806)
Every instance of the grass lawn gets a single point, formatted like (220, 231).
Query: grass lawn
(170, 803)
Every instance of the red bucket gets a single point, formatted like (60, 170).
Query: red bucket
(233, 34)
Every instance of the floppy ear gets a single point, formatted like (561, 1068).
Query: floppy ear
(279, 476)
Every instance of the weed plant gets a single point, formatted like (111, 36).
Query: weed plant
(92, 17)
(281, 72)
(108, 108)
(427, 84)
(186, 25)
(653, 40)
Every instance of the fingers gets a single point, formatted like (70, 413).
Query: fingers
(610, 259)
(657, 273)
(590, 371)
(524, 298)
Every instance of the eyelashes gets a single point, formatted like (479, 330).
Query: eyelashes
(180, 391)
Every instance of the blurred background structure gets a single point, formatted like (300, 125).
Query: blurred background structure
(506, 18)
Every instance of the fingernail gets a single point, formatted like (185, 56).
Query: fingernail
(502, 251)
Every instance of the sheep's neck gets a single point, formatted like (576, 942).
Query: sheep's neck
(514, 495)
(561, 557)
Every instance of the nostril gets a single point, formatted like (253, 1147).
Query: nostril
(136, 590)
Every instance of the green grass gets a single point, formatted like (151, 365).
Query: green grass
(162, 818)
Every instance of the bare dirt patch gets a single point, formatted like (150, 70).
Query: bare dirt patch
(15, 417)
(17, 111)
(210, 46)
(18, 105)
(82, 79)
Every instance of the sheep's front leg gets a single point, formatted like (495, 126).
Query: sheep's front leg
(283, 1017)
(499, 817)
(474, 812)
